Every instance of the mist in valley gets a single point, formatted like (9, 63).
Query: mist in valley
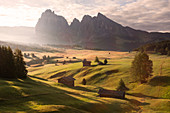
(25, 36)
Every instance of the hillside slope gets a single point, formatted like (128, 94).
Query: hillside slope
(40, 92)
(150, 97)
(39, 95)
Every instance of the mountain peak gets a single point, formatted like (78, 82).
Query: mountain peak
(49, 22)
(86, 18)
(94, 32)
(76, 20)
(49, 11)
(100, 15)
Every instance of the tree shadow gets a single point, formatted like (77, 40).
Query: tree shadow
(83, 89)
(93, 65)
(142, 95)
(28, 94)
(29, 57)
(37, 77)
(17, 95)
(160, 81)
(138, 103)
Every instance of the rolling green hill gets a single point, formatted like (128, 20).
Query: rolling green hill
(109, 75)
(41, 92)
(38, 95)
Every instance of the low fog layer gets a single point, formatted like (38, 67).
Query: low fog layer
(24, 35)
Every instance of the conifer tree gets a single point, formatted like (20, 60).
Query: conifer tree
(168, 53)
(10, 63)
(84, 81)
(96, 59)
(105, 61)
(141, 68)
(122, 86)
(20, 64)
(7, 64)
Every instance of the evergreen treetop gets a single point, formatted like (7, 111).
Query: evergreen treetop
(96, 59)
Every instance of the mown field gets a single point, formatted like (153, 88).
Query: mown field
(41, 92)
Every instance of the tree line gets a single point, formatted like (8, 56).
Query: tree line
(12, 64)
(162, 47)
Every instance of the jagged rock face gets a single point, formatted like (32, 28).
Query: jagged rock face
(51, 23)
(96, 32)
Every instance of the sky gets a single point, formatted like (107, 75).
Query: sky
(149, 15)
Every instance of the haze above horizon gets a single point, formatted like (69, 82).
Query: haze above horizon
(149, 15)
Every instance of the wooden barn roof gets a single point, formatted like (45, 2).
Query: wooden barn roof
(69, 78)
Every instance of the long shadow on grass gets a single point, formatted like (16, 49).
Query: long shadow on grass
(138, 103)
(83, 89)
(38, 78)
(160, 81)
(102, 76)
(10, 96)
(142, 95)
(25, 95)
(17, 95)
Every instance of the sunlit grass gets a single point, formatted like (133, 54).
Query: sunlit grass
(41, 94)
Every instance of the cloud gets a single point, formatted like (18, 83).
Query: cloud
(151, 15)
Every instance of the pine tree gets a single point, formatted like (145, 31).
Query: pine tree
(168, 53)
(141, 68)
(7, 64)
(1, 61)
(105, 61)
(44, 57)
(10, 63)
(96, 59)
(122, 86)
(84, 81)
(20, 64)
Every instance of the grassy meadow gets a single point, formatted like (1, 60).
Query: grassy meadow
(40, 92)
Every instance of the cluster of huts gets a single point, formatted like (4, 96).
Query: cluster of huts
(69, 81)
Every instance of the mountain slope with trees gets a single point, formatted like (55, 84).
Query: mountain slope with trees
(162, 47)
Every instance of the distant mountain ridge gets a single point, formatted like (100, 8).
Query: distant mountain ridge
(97, 32)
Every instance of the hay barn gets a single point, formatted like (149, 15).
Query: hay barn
(69, 81)
(86, 63)
(111, 93)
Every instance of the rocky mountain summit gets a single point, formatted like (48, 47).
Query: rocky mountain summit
(97, 32)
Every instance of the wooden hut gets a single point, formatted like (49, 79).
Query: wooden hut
(86, 63)
(111, 93)
(69, 81)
